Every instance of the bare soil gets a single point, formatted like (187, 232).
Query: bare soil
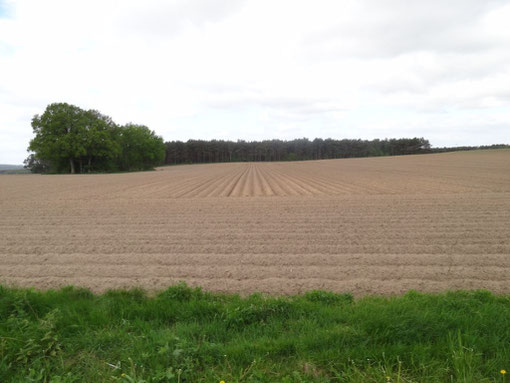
(371, 225)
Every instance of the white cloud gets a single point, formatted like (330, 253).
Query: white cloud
(162, 19)
(257, 69)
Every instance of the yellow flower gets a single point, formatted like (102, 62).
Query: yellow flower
(222, 381)
(503, 372)
(123, 375)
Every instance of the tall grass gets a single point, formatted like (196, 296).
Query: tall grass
(187, 335)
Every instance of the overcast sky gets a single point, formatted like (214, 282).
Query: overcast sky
(261, 69)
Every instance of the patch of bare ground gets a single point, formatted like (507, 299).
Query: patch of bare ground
(371, 225)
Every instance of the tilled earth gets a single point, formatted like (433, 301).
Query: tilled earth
(371, 225)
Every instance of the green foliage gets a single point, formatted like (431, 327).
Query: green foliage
(464, 360)
(59, 135)
(199, 151)
(36, 165)
(140, 147)
(257, 310)
(184, 334)
(182, 293)
(202, 151)
(70, 139)
(328, 297)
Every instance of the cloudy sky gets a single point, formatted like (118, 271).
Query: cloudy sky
(261, 69)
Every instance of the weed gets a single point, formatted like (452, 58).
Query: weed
(187, 335)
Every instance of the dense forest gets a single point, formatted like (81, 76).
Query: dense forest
(69, 139)
(200, 151)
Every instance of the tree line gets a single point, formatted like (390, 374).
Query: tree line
(201, 151)
(69, 139)
(464, 148)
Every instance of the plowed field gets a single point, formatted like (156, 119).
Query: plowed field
(370, 225)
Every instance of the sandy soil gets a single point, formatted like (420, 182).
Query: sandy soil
(371, 225)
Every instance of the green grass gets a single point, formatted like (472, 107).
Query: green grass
(188, 335)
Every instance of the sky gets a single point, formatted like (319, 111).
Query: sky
(261, 69)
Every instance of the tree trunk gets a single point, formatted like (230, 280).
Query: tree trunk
(72, 165)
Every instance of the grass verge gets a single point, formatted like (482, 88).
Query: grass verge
(184, 334)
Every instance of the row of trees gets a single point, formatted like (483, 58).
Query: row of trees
(200, 151)
(69, 139)
(464, 148)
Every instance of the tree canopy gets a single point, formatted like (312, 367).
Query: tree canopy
(197, 151)
(201, 151)
(69, 139)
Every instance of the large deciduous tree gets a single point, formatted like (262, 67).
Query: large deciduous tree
(59, 135)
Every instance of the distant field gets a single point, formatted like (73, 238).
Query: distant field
(369, 225)
(13, 169)
(10, 167)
